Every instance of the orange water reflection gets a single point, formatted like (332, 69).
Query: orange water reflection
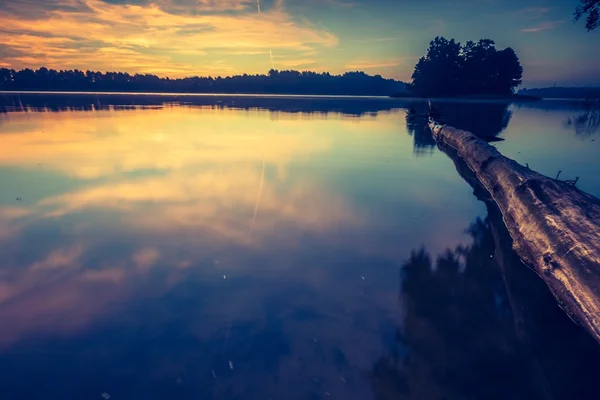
(209, 182)
(184, 189)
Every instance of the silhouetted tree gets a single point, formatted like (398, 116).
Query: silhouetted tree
(591, 8)
(438, 72)
(276, 82)
(509, 70)
(450, 69)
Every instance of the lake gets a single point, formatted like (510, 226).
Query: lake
(239, 247)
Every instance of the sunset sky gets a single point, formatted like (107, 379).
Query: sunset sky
(223, 37)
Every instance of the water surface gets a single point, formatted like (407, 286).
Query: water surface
(170, 247)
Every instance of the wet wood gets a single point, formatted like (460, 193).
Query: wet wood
(555, 227)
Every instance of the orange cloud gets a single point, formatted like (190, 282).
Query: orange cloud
(360, 65)
(146, 257)
(544, 26)
(151, 38)
(60, 258)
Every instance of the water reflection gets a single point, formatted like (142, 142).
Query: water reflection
(483, 118)
(423, 141)
(315, 105)
(587, 122)
(155, 245)
(488, 118)
(476, 291)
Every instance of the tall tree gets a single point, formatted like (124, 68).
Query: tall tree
(509, 70)
(437, 73)
(590, 8)
(478, 74)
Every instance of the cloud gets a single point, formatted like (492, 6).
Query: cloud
(60, 258)
(533, 12)
(438, 25)
(368, 64)
(149, 38)
(296, 63)
(11, 213)
(215, 6)
(544, 26)
(340, 3)
(244, 52)
(146, 257)
(376, 40)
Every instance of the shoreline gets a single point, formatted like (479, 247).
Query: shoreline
(515, 97)
(188, 94)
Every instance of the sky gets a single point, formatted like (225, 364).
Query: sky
(178, 38)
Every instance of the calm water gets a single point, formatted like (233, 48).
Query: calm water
(162, 247)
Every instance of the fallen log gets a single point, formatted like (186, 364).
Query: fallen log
(555, 227)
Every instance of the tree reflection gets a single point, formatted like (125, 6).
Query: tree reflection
(587, 123)
(423, 141)
(95, 101)
(483, 118)
(478, 324)
(458, 334)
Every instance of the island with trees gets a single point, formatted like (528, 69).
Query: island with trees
(473, 70)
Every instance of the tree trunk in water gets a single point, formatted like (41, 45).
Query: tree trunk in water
(554, 226)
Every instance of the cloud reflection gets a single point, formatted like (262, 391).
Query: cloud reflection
(96, 145)
(173, 196)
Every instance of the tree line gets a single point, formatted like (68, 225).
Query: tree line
(275, 82)
(558, 92)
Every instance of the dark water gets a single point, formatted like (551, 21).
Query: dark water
(170, 247)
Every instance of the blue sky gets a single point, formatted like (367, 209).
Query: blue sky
(224, 37)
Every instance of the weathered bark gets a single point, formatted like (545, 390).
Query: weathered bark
(555, 227)
(569, 347)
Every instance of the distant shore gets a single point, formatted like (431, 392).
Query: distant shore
(513, 97)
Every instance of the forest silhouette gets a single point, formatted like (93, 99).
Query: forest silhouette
(275, 82)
